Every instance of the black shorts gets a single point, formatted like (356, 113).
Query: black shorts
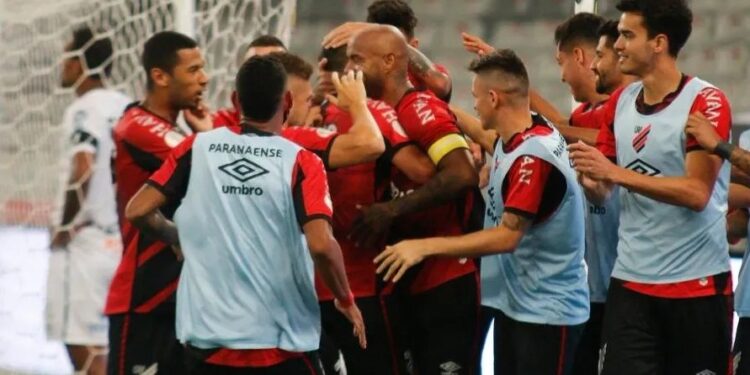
(526, 348)
(138, 342)
(587, 355)
(443, 327)
(382, 356)
(742, 345)
(306, 364)
(651, 335)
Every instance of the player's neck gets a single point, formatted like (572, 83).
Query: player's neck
(626, 80)
(395, 90)
(663, 79)
(158, 103)
(595, 98)
(87, 85)
(512, 120)
(274, 125)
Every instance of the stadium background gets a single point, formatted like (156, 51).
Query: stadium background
(32, 34)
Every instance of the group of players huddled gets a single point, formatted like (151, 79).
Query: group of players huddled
(364, 225)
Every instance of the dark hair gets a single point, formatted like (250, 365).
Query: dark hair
(260, 86)
(578, 29)
(505, 61)
(672, 18)
(266, 41)
(160, 51)
(96, 54)
(294, 64)
(395, 13)
(336, 58)
(609, 30)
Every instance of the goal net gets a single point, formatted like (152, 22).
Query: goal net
(33, 33)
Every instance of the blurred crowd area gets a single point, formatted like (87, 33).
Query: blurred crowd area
(717, 51)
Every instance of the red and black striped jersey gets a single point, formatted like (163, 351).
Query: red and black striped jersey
(146, 278)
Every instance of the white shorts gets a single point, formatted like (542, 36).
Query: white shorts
(77, 286)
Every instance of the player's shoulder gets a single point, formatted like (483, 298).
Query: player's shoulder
(424, 107)
(709, 92)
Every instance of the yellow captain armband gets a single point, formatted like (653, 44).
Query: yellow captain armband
(445, 145)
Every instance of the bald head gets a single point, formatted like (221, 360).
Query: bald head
(381, 53)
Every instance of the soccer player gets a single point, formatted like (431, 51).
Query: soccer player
(443, 336)
(260, 204)
(263, 45)
(533, 274)
(140, 303)
(423, 74)
(704, 132)
(669, 300)
(298, 83)
(86, 244)
(383, 355)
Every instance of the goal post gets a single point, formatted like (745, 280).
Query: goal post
(32, 102)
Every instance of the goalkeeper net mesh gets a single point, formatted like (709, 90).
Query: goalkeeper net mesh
(33, 159)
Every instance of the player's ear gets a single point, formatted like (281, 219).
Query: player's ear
(287, 104)
(579, 55)
(389, 60)
(159, 77)
(235, 100)
(494, 98)
(660, 43)
(414, 42)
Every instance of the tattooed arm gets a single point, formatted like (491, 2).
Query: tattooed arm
(434, 80)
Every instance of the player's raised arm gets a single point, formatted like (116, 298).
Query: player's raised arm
(363, 142)
(472, 126)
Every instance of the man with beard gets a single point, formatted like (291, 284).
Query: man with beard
(141, 300)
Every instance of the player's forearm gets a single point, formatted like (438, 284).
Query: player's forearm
(436, 81)
(78, 186)
(687, 192)
(362, 143)
(485, 242)
(330, 266)
(739, 196)
(740, 159)
(541, 106)
(598, 193)
(737, 224)
(446, 185)
(155, 224)
(472, 126)
(740, 177)
(574, 134)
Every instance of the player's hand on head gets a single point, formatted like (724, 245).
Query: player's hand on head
(324, 83)
(354, 315)
(341, 34)
(370, 230)
(589, 161)
(314, 117)
(395, 260)
(475, 44)
(198, 118)
(350, 88)
(704, 132)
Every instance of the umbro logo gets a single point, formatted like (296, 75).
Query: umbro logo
(243, 170)
(642, 167)
(705, 372)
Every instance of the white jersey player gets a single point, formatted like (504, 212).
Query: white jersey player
(86, 245)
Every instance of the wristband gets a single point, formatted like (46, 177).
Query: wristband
(724, 149)
(348, 302)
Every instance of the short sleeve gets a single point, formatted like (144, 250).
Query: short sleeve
(523, 189)
(174, 174)
(312, 199)
(317, 140)
(713, 104)
(744, 141)
(429, 122)
(605, 117)
(387, 120)
(85, 131)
